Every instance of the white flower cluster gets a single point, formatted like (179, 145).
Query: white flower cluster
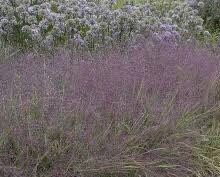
(88, 23)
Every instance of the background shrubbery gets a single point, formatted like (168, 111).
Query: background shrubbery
(43, 23)
(209, 10)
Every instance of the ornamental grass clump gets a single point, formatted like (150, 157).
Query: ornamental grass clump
(88, 24)
(138, 113)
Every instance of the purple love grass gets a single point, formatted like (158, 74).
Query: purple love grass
(82, 115)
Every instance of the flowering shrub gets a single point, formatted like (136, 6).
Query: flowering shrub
(87, 23)
(209, 10)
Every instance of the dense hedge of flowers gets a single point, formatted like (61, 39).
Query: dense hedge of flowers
(88, 23)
